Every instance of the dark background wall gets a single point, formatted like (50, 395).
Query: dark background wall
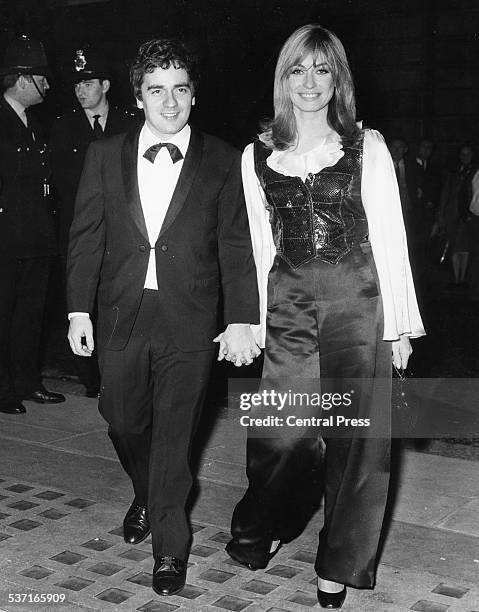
(416, 62)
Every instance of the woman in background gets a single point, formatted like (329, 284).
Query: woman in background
(454, 214)
(331, 254)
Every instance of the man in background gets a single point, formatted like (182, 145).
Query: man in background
(398, 149)
(89, 73)
(27, 240)
(425, 182)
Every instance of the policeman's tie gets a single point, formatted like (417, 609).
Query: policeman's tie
(97, 129)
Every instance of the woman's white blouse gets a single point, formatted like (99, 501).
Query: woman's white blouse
(382, 205)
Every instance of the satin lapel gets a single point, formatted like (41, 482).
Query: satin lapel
(185, 180)
(129, 161)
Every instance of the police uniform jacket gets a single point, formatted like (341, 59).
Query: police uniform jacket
(70, 138)
(26, 219)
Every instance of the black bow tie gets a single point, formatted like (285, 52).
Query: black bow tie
(173, 150)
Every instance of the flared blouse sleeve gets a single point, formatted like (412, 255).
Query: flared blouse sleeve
(264, 250)
(382, 204)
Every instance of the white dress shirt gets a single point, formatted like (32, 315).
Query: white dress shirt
(382, 205)
(156, 183)
(421, 162)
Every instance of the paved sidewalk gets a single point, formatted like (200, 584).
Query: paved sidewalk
(63, 496)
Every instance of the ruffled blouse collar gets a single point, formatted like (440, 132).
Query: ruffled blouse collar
(325, 154)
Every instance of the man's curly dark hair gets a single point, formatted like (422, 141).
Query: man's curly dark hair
(162, 53)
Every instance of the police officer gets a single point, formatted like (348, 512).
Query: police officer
(71, 135)
(27, 241)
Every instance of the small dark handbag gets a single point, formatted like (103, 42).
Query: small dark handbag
(403, 415)
(438, 245)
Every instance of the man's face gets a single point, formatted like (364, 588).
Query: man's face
(31, 94)
(91, 94)
(425, 149)
(465, 155)
(398, 149)
(166, 98)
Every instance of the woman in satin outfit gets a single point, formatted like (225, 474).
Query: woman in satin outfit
(337, 299)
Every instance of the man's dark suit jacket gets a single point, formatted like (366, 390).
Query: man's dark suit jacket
(203, 247)
(70, 138)
(26, 220)
(427, 181)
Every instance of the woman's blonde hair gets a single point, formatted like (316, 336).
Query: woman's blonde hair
(280, 132)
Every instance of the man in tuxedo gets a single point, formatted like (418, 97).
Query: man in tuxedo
(160, 228)
(398, 149)
(425, 181)
(426, 177)
(89, 73)
(27, 240)
(410, 192)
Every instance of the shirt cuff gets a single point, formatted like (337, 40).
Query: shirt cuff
(77, 314)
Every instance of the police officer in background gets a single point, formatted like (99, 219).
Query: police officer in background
(89, 73)
(27, 239)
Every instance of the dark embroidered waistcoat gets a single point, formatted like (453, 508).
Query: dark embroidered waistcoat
(321, 217)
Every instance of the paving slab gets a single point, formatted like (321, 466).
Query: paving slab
(77, 414)
(223, 472)
(17, 429)
(439, 475)
(464, 520)
(94, 444)
(438, 551)
(87, 476)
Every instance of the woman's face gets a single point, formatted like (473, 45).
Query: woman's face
(465, 156)
(310, 85)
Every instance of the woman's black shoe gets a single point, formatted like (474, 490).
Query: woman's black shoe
(253, 556)
(332, 601)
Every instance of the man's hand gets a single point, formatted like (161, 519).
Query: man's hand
(401, 350)
(237, 344)
(81, 327)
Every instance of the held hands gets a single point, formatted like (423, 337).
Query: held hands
(81, 329)
(237, 344)
(401, 350)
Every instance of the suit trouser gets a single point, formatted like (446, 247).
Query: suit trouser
(151, 396)
(329, 318)
(23, 285)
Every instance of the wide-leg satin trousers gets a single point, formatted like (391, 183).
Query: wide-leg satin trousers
(322, 319)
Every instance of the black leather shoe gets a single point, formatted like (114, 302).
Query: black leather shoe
(331, 601)
(43, 396)
(169, 575)
(136, 526)
(12, 408)
(253, 556)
